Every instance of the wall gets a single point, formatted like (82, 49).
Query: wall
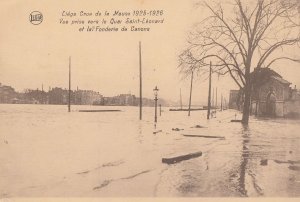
(282, 93)
(292, 109)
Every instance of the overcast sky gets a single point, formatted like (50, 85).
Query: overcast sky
(32, 55)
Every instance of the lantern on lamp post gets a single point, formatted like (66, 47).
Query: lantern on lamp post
(155, 90)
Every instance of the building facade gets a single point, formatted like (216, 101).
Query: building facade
(270, 98)
(87, 97)
(7, 94)
(272, 95)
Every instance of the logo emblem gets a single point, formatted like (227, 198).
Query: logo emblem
(36, 17)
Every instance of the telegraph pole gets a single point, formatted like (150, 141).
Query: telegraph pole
(216, 97)
(191, 92)
(69, 103)
(155, 115)
(155, 99)
(221, 102)
(213, 98)
(140, 64)
(159, 109)
(209, 93)
(216, 102)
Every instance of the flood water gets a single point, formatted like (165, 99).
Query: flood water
(47, 152)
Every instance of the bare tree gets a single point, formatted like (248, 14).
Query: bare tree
(252, 34)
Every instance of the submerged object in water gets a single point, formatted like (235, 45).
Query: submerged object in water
(176, 159)
(100, 110)
(204, 136)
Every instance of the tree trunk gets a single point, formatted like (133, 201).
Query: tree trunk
(247, 91)
(209, 93)
(190, 101)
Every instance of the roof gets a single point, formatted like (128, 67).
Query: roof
(281, 80)
(260, 76)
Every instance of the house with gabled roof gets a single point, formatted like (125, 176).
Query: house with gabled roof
(272, 95)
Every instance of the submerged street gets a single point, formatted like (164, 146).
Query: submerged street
(47, 152)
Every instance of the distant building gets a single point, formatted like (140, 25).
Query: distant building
(87, 97)
(148, 102)
(295, 94)
(233, 99)
(292, 106)
(126, 99)
(7, 94)
(58, 96)
(129, 100)
(34, 97)
(122, 100)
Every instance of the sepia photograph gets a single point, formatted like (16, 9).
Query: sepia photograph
(149, 99)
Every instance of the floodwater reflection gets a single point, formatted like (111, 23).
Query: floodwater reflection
(244, 159)
(260, 160)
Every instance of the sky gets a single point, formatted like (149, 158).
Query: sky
(32, 55)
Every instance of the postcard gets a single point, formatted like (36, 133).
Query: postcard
(149, 100)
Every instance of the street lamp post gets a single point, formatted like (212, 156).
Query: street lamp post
(155, 99)
(159, 109)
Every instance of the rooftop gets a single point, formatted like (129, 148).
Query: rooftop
(281, 80)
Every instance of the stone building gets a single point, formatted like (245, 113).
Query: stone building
(271, 94)
(269, 98)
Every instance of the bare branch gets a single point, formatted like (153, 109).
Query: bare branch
(283, 58)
